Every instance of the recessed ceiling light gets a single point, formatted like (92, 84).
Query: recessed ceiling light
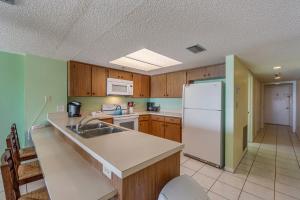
(277, 77)
(146, 60)
(277, 67)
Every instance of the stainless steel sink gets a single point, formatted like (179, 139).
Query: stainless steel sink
(93, 130)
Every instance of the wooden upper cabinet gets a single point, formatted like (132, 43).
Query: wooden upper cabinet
(99, 75)
(79, 79)
(209, 72)
(141, 86)
(159, 85)
(175, 82)
(119, 74)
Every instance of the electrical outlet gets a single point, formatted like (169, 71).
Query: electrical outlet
(60, 108)
(106, 171)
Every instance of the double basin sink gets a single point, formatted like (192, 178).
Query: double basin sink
(94, 130)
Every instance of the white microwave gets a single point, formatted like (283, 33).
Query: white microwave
(119, 87)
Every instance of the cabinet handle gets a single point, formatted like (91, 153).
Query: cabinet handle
(87, 93)
(93, 93)
(208, 74)
(204, 75)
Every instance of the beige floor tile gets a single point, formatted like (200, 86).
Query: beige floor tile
(288, 190)
(257, 172)
(225, 190)
(205, 181)
(211, 171)
(288, 180)
(280, 196)
(214, 196)
(241, 173)
(247, 196)
(289, 172)
(187, 171)
(232, 180)
(183, 159)
(266, 182)
(259, 191)
(193, 164)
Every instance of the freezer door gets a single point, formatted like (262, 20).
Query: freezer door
(203, 96)
(202, 135)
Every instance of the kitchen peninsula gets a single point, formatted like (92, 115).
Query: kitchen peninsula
(135, 164)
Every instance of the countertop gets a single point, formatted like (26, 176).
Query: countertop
(124, 153)
(162, 113)
(67, 175)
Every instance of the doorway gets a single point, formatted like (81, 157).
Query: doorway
(277, 104)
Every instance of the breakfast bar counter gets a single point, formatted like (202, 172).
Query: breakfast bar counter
(138, 165)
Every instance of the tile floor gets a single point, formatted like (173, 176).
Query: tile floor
(269, 170)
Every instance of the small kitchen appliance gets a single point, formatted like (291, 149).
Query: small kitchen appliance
(119, 87)
(152, 107)
(73, 109)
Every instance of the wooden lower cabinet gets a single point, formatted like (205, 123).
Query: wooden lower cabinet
(108, 120)
(173, 132)
(144, 123)
(158, 128)
(166, 127)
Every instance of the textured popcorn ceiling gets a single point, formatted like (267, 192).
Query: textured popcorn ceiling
(263, 33)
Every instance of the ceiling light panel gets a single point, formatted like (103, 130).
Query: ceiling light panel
(127, 62)
(145, 55)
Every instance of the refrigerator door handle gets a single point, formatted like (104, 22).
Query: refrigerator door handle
(183, 99)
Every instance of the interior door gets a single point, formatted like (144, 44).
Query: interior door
(277, 104)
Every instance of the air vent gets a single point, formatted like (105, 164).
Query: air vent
(196, 48)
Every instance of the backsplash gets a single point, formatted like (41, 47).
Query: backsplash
(90, 104)
(168, 104)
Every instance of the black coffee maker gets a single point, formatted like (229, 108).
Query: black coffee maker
(73, 109)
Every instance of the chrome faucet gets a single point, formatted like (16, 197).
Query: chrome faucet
(80, 123)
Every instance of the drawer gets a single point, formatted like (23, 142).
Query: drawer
(144, 117)
(158, 118)
(174, 120)
(108, 120)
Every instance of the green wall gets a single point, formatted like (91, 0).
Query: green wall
(12, 95)
(43, 77)
(25, 80)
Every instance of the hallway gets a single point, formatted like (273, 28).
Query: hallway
(269, 170)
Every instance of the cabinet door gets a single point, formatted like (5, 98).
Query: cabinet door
(173, 132)
(99, 76)
(175, 82)
(159, 85)
(79, 79)
(158, 128)
(145, 86)
(137, 85)
(144, 126)
(118, 74)
(217, 71)
(196, 74)
(108, 120)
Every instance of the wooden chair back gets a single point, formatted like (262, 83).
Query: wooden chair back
(12, 145)
(14, 130)
(10, 183)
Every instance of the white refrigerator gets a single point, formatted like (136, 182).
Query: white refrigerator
(203, 130)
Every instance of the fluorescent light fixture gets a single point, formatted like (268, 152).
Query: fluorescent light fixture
(146, 60)
(277, 77)
(277, 67)
(127, 62)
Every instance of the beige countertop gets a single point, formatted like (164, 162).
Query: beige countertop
(162, 113)
(124, 153)
(67, 175)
